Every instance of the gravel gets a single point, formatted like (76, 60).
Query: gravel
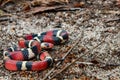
(91, 20)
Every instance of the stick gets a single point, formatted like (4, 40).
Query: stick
(88, 63)
(111, 65)
(79, 38)
(4, 19)
(75, 60)
(110, 12)
(71, 48)
(117, 19)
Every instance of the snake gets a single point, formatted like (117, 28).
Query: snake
(20, 57)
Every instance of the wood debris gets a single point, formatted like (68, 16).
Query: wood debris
(48, 2)
(66, 67)
(4, 2)
(118, 3)
(43, 9)
(37, 6)
(97, 18)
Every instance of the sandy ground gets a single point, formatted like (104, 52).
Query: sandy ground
(95, 21)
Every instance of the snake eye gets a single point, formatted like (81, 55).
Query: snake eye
(5, 53)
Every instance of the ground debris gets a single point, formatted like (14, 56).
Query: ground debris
(37, 6)
(118, 3)
(96, 18)
(48, 2)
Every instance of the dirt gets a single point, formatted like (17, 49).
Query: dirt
(99, 20)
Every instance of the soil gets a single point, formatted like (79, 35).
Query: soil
(98, 21)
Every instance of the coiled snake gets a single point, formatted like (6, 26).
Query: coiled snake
(18, 58)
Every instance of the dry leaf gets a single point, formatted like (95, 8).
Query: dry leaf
(83, 77)
(114, 78)
(118, 3)
(31, 78)
(109, 66)
(81, 65)
(69, 58)
(26, 7)
(4, 2)
(94, 61)
(78, 4)
(36, 3)
(42, 9)
(47, 2)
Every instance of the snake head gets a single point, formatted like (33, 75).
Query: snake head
(63, 35)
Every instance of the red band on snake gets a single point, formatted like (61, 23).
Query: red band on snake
(16, 58)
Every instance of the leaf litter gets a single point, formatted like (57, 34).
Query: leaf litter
(95, 18)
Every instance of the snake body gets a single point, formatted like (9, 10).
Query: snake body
(18, 58)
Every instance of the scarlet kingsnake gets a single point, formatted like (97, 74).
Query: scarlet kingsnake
(17, 58)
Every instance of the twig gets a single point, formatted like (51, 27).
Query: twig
(67, 9)
(88, 63)
(104, 64)
(43, 9)
(110, 12)
(111, 20)
(1, 61)
(76, 60)
(6, 1)
(112, 65)
(4, 19)
(79, 38)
